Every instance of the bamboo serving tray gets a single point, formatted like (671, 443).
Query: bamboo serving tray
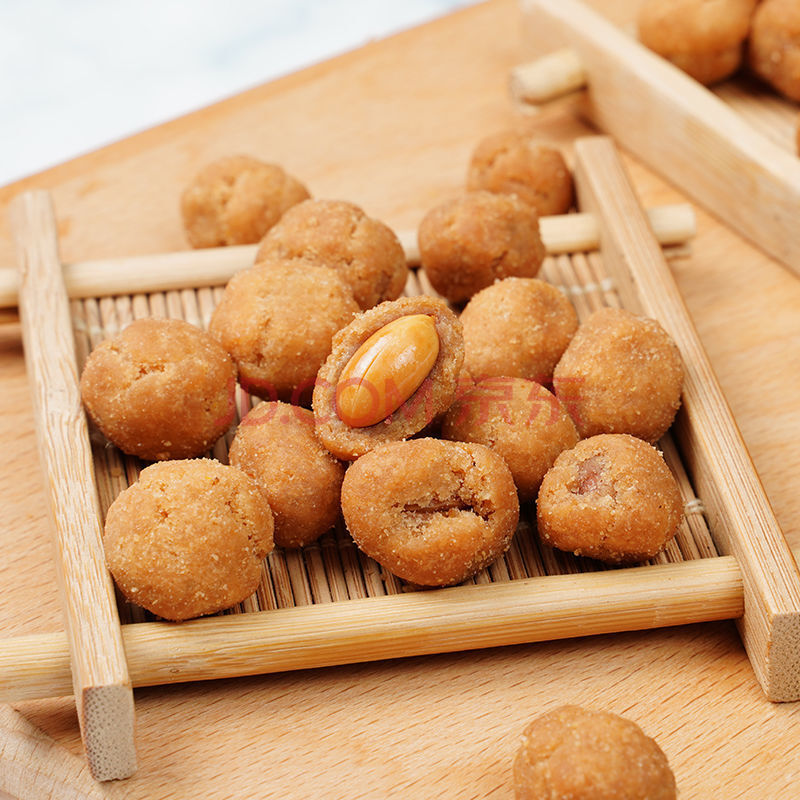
(732, 148)
(329, 604)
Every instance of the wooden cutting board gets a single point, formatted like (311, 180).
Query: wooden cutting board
(391, 127)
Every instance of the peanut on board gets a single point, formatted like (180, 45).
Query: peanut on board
(386, 370)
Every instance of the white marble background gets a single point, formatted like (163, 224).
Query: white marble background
(78, 74)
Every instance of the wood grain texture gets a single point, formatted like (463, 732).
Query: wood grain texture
(402, 625)
(34, 767)
(698, 141)
(400, 118)
(100, 675)
(740, 517)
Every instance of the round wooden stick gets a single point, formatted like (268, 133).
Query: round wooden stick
(548, 78)
(417, 623)
(569, 233)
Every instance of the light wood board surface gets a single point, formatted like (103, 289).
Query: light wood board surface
(391, 127)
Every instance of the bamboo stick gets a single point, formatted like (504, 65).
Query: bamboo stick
(100, 677)
(677, 126)
(548, 78)
(739, 514)
(674, 224)
(391, 626)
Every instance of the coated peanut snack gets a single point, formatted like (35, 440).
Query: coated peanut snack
(518, 419)
(774, 46)
(432, 512)
(160, 389)
(580, 754)
(275, 445)
(620, 374)
(277, 323)
(611, 497)
(704, 39)
(188, 538)
(517, 327)
(512, 163)
(468, 243)
(391, 371)
(332, 233)
(236, 200)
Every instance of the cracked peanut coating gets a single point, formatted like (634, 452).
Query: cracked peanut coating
(611, 497)
(188, 538)
(430, 511)
(572, 753)
(432, 397)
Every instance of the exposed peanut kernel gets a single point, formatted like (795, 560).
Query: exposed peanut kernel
(386, 370)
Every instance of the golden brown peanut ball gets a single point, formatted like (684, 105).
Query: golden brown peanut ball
(160, 389)
(704, 39)
(275, 445)
(612, 497)
(332, 233)
(401, 409)
(620, 374)
(517, 327)
(572, 752)
(432, 512)
(188, 538)
(774, 49)
(277, 323)
(236, 200)
(511, 163)
(467, 244)
(518, 419)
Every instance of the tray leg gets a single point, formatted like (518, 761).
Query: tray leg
(102, 688)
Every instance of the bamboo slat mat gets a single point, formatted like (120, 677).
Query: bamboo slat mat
(333, 568)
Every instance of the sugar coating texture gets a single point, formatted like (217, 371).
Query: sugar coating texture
(611, 497)
(277, 322)
(432, 512)
(518, 327)
(432, 397)
(620, 374)
(188, 538)
(332, 233)
(704, 39)
(572, 753)
(518, 419)
(276, 446)
(160, 389)
(510, 162)
(774, 45)
(468, 243)
(236, 200)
